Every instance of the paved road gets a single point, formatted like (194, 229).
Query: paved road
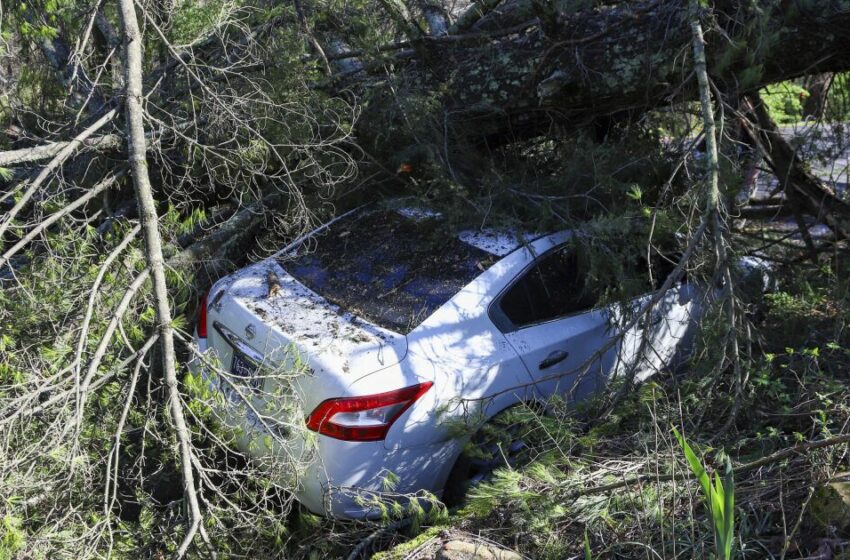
(827, 150)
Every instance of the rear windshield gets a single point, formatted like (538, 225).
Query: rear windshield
(389, 269)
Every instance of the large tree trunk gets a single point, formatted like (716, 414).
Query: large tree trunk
(571, 68)
(524, 66)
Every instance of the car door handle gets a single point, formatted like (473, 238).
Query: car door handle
(555, 357)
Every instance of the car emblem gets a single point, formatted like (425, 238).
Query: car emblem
(250, 332)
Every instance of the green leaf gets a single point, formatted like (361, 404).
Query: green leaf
(695, 464)
(729, 508)
(719, 497)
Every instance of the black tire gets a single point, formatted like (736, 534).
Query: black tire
(457, 485)
(495, 445)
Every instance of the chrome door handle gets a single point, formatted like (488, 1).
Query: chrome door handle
(555, 357)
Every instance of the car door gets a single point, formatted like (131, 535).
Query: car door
(548, 316)
(661, 339)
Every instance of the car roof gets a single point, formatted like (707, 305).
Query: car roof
(496, 241)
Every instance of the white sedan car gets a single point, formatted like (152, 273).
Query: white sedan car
(387, 326)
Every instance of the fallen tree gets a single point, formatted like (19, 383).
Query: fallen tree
(509, 79)
(515, 79)
(494, 77)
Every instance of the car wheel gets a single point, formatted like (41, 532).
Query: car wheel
(497, 444)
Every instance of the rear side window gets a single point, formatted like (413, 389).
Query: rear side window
(557, 285)
(552, 288)
(391, 269)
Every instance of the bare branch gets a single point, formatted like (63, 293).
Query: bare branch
(101, 186)
(137, 149)
(47, 151)
(54, 164)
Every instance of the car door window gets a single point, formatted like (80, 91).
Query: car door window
(552, 288)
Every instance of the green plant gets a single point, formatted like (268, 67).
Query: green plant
(12, 537)
(719, 497)
(838, 98)
(785, 101)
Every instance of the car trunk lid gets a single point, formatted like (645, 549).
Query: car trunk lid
(327, 339)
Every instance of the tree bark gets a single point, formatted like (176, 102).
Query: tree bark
(473, 13)
(136, 147)
(818, 88)
(108, 142)
(516, 80)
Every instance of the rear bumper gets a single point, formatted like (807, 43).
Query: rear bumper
(358, 480)
(344, 479)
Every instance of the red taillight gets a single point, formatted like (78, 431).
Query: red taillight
(366, 418)
(201, 327)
